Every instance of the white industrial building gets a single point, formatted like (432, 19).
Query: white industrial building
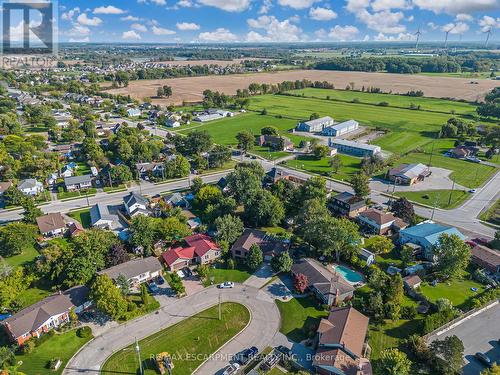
(316, 125)
(340, 129)
(344, 146)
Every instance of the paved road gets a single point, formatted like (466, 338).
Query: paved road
(261, 331)
(478, 334)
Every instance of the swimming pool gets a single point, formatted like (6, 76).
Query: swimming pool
(349, 275)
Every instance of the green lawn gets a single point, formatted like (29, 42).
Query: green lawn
(238, 275)
(109, 189)
(63, 346)
(83, 216)
(440, 198)
(188, 341)
(269, 155)
(429, 104)
(492, 214)
(458, 291)
(25, 257)
(32, 295)
(76, 194)
(300, 317)
(350, 166)
(82, 169)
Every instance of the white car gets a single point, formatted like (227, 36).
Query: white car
(226, 285)
(230, 369)
(181, 274)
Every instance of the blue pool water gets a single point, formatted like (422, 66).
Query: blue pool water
(348, 274)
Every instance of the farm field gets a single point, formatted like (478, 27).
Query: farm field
(429, 104)
(190, 89)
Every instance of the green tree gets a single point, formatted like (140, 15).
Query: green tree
(335, 162)
(7, 357)
(263, 209)
(13, 285)
(447, 355)
(198, 142)
(321, 151)
(31, 211)
(282, 262)
(17, 237)
(244, 181)
(254, 257)
(314, 188)
(107, 297)
(246, 141)
(269, 130)
(380, 245)
(120, 174)
(494, 370)
(360, 184)
(203, 271)
(394, 362)
(145, 297)
(123, 284)
(13, 197)
(228, 228)
(452, 256)
(143, 232)
(406, 255)
(314, 116)
(171, 229)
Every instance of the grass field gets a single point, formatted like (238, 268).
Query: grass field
(25, 257)
(458, 291)
(83, 216)
(350, 166)
(62, 346)
(492, 214)
(238, 275)
(76, 194)
(197, 336)
(428, 104)
(440, 198)
(300, 317)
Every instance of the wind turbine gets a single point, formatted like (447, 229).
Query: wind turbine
(446, 38)
(418, 33)
(488, 34)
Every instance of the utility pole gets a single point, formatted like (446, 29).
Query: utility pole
(138, 351)
(451, 192)
(110, 181)
(432, 152)
(434, 208)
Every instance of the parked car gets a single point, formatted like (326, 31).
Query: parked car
(484, 359)
(246, 355)
(160, 280)
(181, 274)
(187, 272)
(230, 369)
(153, 287)
(226, 285)
(472, 191)
(472, 159)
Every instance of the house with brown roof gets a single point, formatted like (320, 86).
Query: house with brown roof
(45, 315)
(341, 345)
(136, 271)
(486, 258)
(329, 287)
(412, 282)
(380, 222)
(408, 174)
(51, 225)
(199, 249)
(4, 185)
(275, 142)
(269, 245)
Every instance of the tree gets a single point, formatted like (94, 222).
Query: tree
(335, 162)
(300, 283)
(269, 130)
(177, 167)
(17, 237)
(494, 370)
(443, 304)
(117, 255)
(143, 232)
(13, 197)
(203, 271)
(198, 142)
(314, 116)
(314, 188)
(145, 297)
(159, 92)
(229, 228)
(13, 285)
(263, 209)
(394, 362)
(246, 141)
(120, 174)
(254, 257)
(406, 255)
(360, 184)
(167, 91)
(447, 355)
(218, 156)
(31, 211)
(282, 262)
(380, 245)
(321, 151)
(452, 256)
(171, 229)
(403, 209)
(123, 284)
(7, 357)
(107, 297)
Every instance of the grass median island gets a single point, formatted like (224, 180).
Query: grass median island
(188, 342)
(440, 198)
(492, 214)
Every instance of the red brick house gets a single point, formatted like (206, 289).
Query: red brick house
(486, 258)
(199, 249)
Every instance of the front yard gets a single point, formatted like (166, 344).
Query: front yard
(63, 195)
(238, 275)
(440, 198)
(300, 317)
(188, 342)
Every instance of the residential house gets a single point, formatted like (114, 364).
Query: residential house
(344, 146)
(380, 222)
(199, 249)
(328, 287)
(45, 315)
(66, 171)
(133, 112)
(340, 129)
(426, 235)
(135, 204)
(136, 271)
(341, 348)
(412, 282)
(74, 183)
(275, 142)
(274, 175)
(269, 245)
(367, 256)
(30, 186)
(100, 217)
(4, 185)
(154, 169)
(316, 125)
(75, 228)
(347, 204)
(486, 258)
(176, 200)
(408, 174)
(460, 152)
(172, 123)
(51, 225)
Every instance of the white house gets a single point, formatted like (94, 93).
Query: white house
(136, 271)
(51, 225)
(135, 204)
(171, 123)
(133, 112)
(30, 186)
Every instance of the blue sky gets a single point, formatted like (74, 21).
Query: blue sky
(276, 20)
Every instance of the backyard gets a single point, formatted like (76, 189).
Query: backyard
(199, 335)
(458, 291)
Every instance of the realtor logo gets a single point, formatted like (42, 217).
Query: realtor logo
(28, 27)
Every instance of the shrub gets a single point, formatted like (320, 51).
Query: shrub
(28, 347)
(383, 104)
(408, 312)
(231, 264)
(84, 332)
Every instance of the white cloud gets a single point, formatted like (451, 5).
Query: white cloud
(488, 23)
(322, 14)
(110, 9)
(68, 16)
(464, 17)
(161, 31)
(265, 7)
(185, 4)
(276, 30)
(297, 4)
(379, 5)
(255, 37)
(187, 26)
(433, 26)
(455, 28)
(381, 37)
(219, 35)
(457, 6)
(321, 34)
(83, 19)
(385, 21)
(79, 40)
(130, 18)
(131, 35)
(78, 31)
(355, 5)
(159, 2)
(227, 5)
(343, 33)
(139, 27)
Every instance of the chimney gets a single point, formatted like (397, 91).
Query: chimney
(337, 297)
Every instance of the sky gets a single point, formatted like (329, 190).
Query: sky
(216, 21)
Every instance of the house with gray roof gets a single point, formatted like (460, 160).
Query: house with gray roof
(408, 174)
(136, 204)
(100, 217)
(73, 183)
(30, 186)
(345, 146)
(136, 271)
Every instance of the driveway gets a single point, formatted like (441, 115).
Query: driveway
(260, 332)
(261, 277)
(478, 334)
